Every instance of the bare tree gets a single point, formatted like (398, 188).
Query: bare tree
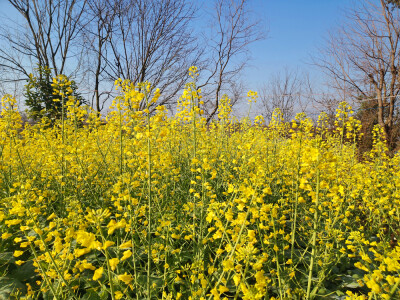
(233, 32)
(141, 40)
(394, 2)
(98, 25)
(289, 91)
(153, 41)
(45, 39)
(362, 58)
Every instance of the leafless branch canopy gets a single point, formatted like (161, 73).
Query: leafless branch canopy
(234, 31)
(363, 58)
(287, 91)
(46, 40)
(98, 41)
(153, 41)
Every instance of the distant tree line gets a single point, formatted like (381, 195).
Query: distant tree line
(362, 59)
(95, 42)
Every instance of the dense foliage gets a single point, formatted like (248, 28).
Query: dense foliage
(142, 206)
(46, 97)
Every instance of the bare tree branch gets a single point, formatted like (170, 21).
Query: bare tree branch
(47, 36)
(234, 32)
(152, 41)
(286, 91)
(362, 58)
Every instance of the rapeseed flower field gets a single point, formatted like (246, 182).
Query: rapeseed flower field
(145, 205)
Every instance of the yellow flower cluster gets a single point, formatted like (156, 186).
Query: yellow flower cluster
(148, 205)
(61, 86)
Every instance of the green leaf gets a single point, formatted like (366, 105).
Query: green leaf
(25, 272)
(91, 295)
(350, 282)
(9, 285)
(6, 258)
(356, 273)
(340, 293)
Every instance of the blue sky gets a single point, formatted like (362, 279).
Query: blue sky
(296, 29)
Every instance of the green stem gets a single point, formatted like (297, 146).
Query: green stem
(394, 289)
(43, 272)
(234, 247)
(120, 143)
(149, 202)
(278, 273)
(108, 264)
(314, 236)
(52, 259)
(296, 202)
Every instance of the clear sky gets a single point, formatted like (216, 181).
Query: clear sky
(296, 29)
